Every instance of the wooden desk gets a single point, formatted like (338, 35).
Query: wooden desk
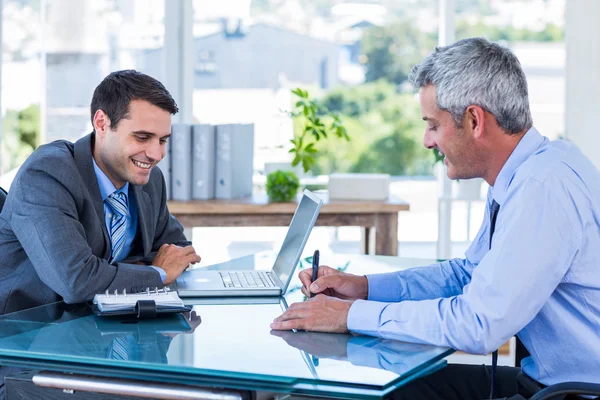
(257, 211)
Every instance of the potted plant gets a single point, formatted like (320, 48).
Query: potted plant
(282, 185)
(317, 123)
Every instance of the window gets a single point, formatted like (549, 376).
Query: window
(55, 52)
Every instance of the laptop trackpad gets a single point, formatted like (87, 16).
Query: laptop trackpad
(199, 279)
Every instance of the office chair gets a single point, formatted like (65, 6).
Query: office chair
(559, 391)
(3, 194)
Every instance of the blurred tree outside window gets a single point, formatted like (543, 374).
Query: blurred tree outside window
(20, 135)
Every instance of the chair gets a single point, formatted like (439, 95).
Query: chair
(563, 391)
(559, 391)
(3, 194)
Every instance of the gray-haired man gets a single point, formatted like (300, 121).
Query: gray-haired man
(533, 268)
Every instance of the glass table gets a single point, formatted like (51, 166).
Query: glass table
(224, 343)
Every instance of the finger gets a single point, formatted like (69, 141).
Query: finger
(305, 277)
(192, 258)
(292, 314)
(187, 250)
(288, 325)
(305, 291)
(325, 270)
(324, 283)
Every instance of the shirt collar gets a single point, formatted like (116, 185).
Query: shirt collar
(106, 186)
(529, 143)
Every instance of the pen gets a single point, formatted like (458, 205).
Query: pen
(315, 268)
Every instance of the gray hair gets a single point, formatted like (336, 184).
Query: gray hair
(478, 72)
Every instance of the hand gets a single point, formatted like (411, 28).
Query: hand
(321, 314)
(174, 260)
(322, 345)
(334, 283)
(192, 318)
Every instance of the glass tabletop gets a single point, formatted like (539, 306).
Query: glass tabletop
(222, 338)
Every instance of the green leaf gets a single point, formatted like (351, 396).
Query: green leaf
(300, 93)
(306, 165)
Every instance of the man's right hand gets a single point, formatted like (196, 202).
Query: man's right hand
(174, 260)
(332, 282)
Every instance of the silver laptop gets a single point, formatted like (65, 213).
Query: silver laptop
(223, 283)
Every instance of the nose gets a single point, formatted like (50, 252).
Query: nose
(155, 151)
(428, 142)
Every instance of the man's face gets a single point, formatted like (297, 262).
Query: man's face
(128, 153)
(441, 132)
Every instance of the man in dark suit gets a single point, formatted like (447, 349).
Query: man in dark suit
(84, 217)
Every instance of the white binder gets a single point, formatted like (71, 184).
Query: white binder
(181, 162)
(234, 161)
(203, 162)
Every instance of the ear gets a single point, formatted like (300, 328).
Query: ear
(101, 122)
(475, 121)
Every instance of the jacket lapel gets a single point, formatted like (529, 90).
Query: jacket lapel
(83, 160)
(143, 206)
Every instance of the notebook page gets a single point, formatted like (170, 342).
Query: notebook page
(112, 302)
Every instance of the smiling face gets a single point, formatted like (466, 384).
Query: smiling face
(129, 152)
(457, 144)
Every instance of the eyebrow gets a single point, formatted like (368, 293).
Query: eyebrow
(142, 132)
(429, 119)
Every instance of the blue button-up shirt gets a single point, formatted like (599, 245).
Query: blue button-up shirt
(540, 279)
(106, 189)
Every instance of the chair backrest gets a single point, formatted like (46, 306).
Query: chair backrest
(3, 194)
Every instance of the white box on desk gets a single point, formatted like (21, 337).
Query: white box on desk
(359, 186)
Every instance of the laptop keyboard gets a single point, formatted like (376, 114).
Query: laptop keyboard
(247, 279)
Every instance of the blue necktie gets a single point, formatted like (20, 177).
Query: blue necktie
(493, 214)
(118, 350)
(118, 223)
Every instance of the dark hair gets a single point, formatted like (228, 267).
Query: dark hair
(116, 91)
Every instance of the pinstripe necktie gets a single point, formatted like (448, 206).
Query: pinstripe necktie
(118, 222)
(118, 349)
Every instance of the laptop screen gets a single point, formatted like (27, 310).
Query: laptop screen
(297, 235)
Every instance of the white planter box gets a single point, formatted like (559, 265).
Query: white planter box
(359, 186)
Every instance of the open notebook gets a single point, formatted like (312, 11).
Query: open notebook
(164, 300)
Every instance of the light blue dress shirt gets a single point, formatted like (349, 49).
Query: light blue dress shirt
(106, 189)
(541, 278)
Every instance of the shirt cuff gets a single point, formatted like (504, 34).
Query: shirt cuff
(163, 274)
(384, 287)
(364, 317)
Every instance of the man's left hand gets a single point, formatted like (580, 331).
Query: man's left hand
(321, 314)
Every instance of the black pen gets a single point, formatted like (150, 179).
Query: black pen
(315, 268)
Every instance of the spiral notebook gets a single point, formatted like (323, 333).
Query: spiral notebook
(121, 303)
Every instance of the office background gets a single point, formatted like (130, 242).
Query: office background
(236, 62)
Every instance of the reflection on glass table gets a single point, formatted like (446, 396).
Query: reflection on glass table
(399, 358)
(227, 342)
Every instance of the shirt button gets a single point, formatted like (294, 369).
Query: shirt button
(109, 215)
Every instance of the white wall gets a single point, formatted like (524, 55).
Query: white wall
(582, 31)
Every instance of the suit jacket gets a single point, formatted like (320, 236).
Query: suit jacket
(54, 244)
